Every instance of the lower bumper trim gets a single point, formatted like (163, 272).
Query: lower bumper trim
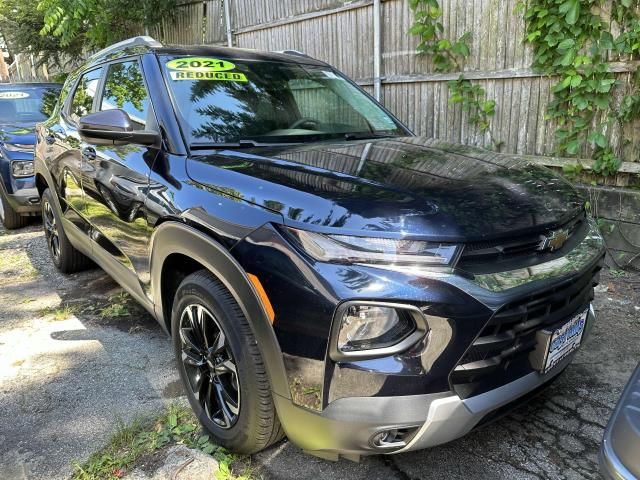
(24, 201)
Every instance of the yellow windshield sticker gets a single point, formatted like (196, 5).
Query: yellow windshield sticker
(200, 64)
(12, 95)
(220, 76)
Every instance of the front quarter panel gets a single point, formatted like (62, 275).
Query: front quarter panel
(305, 296)
(176, 238)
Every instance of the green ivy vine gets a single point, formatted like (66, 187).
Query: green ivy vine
(449, 56)
(574, 41)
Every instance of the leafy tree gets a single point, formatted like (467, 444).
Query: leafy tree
(100, 22)
(61, 31)
(21, 23)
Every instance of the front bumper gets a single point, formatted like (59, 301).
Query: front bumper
(25, 202)
(435, 391)
(22, 195)
(348, 425)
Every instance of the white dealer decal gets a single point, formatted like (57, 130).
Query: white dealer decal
(13, 95)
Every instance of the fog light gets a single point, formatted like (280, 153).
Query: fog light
(366, 327)
(393, 437)
(22, 168)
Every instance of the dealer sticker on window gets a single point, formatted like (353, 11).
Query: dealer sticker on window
(13, 95)
(204, 68)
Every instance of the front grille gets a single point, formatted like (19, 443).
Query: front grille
(500, 354)
(492, 256)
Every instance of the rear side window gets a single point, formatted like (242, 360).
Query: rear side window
(84, 94)
(124, 88)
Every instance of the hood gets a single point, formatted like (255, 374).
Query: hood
(17, 133)
(412, 186)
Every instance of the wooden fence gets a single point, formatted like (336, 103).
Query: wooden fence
(25, 68)
(369, 41)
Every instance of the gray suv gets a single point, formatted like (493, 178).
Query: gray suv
(620, 455)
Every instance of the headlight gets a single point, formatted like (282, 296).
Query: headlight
(365, 327)
(21, 168)
(373, 329)
(351, 249)
(19, 147)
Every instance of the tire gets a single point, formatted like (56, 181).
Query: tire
(247, 422)
(9, 217)
(63, 255)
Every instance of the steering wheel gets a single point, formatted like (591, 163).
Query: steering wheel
(300, 122)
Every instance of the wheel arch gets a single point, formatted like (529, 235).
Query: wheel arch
(176, 244)
(41, 184)
(44, 180)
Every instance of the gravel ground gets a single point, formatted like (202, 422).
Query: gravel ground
(65, 383)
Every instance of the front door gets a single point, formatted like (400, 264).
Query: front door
(116, 179)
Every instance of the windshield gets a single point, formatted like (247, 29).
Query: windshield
(270, 102)
(24, 104)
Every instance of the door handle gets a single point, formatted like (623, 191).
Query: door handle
(89, 153)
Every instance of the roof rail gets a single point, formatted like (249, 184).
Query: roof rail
(293, 52)
(130, 42)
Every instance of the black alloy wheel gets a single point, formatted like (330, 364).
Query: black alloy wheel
(51, 230)
(209, 365)
(221, 367)
(63, 254)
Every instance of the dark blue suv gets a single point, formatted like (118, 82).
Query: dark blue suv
(22, 105)
(322, 272)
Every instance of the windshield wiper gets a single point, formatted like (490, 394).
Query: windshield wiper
(238, 144)
(367, 135)
(242, 143)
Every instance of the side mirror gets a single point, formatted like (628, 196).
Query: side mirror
(114, 127)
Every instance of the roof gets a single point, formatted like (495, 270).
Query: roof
(5, 86)
(141, 45)
(236, 54)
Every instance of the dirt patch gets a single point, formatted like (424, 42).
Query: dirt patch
(151, 462)
(174, 389)
(75, 358)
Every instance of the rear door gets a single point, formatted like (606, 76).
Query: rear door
(116, 179)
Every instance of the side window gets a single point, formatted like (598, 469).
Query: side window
(82, 100)
(124, 88)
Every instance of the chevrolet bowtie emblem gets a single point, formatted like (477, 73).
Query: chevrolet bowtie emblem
(553, 240)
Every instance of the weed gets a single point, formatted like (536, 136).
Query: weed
(117, 306)
(177, 425)
(62, 312)
(617, 273)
